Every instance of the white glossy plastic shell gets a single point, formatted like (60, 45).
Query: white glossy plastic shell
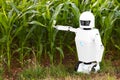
(89, 45)
(87, 16)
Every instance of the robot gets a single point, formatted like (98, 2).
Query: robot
(88, 43)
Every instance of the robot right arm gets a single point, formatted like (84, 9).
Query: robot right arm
(65, 28)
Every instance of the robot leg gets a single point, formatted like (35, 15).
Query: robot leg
(77, 65)
(83, 67)
(96, 67)
(87, 67)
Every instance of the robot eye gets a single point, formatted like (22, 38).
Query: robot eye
(85, 23)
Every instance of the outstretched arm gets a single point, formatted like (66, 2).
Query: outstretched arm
(65, 28)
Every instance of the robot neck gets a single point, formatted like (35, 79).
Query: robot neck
(87, 28)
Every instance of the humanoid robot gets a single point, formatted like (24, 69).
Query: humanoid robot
(88, 43)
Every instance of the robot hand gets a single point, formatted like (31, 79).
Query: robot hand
(65, 28)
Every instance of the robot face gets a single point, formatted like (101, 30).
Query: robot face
(85, 23)
(87, 20)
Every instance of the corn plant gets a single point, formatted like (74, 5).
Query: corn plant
(49, 22)
(6, 21)
(14, 26)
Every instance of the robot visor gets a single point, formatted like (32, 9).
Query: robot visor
(85, 23)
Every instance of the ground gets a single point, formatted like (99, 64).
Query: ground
(110, 69)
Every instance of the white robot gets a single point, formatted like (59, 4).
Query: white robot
(88, 43)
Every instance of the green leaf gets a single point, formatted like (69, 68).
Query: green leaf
(3, 39)
(14, 7)
(57, 11)
(61, 51)
(3, 21)
(37, 23)
(75, 11)
(118, 47)
(29, 33)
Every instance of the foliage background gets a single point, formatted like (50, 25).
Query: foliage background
(26, 29)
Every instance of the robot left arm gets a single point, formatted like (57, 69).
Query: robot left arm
(65, 28)
(99, 46)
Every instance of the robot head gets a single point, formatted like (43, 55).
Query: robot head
(87, 20)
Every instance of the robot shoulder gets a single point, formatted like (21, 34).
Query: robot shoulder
(96, 31)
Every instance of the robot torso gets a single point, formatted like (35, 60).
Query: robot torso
(86, 45)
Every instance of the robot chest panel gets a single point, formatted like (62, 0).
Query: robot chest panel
(84, 36)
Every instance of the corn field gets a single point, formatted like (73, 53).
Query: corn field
(26, 29)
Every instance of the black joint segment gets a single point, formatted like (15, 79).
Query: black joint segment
(93, 68)
(77, 65)
(89, 62)
(69, 28)
(95, 65)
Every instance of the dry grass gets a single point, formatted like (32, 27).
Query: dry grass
(101, 76)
